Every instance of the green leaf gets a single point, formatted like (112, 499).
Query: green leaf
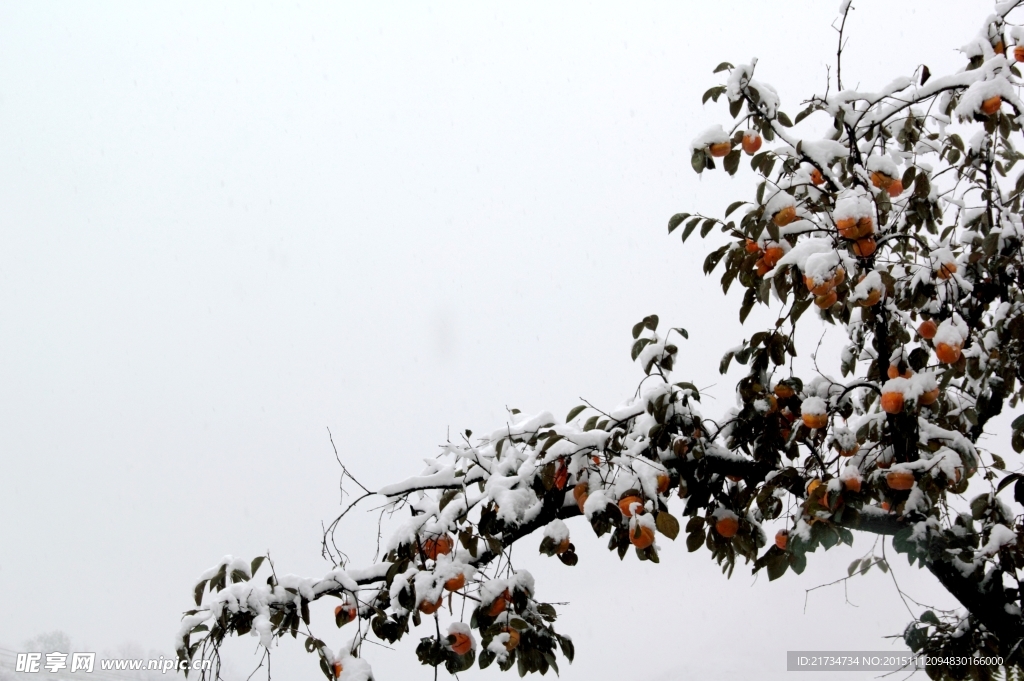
(667, 524)
(778, 563)
(695, 540)
(681, 331)
(709, 223)
(574, 412)
(734, 107)
(713, 259)
(256, 563)
(805, 113)
(724, 66)
(639, 346)
(732, 207)
(591, 423)
(689, 229)
(784, 119)
(698, 160)
(550, 441)
(199, 592)
(676, 220)
(731, 162)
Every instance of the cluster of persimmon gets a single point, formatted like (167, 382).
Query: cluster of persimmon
(750, 143)
(771, 253)
(631, 504)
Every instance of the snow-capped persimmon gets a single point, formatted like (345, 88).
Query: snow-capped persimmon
(772, 255)
(892, 402)
(848, 228)
(345, 613)
(762, 267)
(816, 178)
(460, 642)
(727, 526)
(827, 300)
(561, 475)
(783, 391)
(852, 484)
(815, 420)
(991, 105)
(818, 288)
(929, 397)
(948, 353)
(338, 669)
(428, 607)
(513, 638)
(1018, 53)
(946, 270)
(864, 248)
(562, 547)
(751, 143)
(499, 604)
(663, 482)
(719, 149)
(880, 180)
(456, 582)
(752, 246)
(631, 504)
(782, 539)
(927, 329)
(894, 372)
(641, 537)
(851, 451)
(784, 216)
(899, 480)
(438, 546)
(580, 493)
(874, 295)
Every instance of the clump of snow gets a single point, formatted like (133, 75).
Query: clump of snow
(821, 267)
(716, 134)
(814, 405)
(845, 438)
(979, 91)
(872, 281)
(854, 206)
(952, 331)
(557, 530)
(884, 165)
(777, 202)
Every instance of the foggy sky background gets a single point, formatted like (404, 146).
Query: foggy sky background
(224, 229)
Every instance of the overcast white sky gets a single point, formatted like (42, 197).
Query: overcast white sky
(224, 229)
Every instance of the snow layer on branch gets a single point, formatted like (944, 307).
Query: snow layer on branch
(1000, 536)
(741, 78)
(823, 152)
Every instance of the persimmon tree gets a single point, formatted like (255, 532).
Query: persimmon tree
(902, 226)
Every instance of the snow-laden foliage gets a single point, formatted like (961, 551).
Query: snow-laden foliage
(902, 226)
